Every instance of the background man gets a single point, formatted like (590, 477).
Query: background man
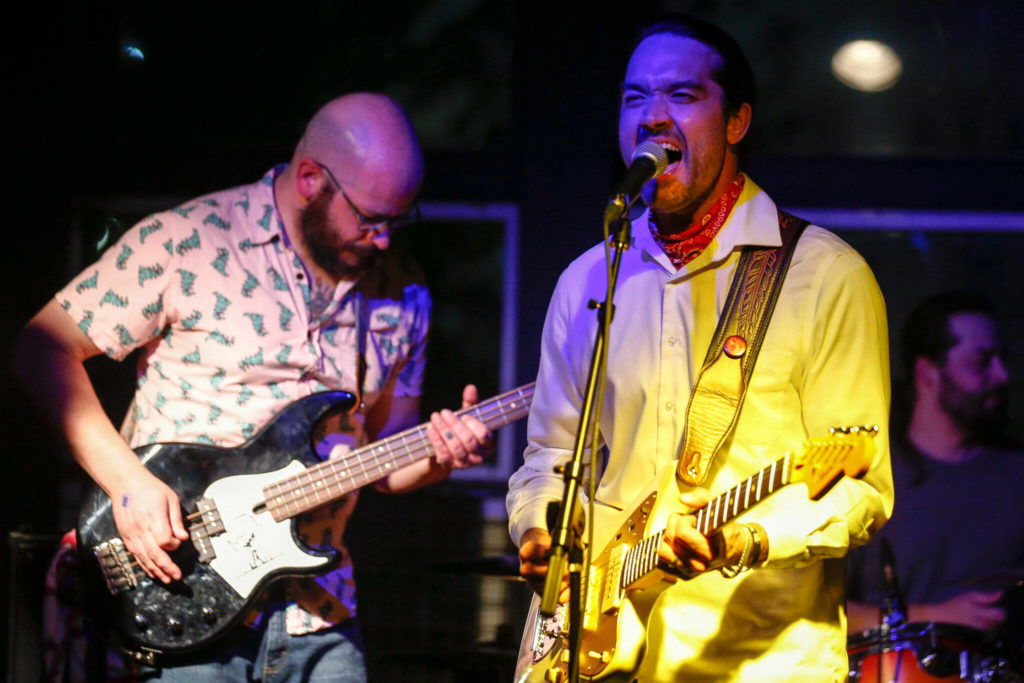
(689, 88)
(957, 533)
(243, 301)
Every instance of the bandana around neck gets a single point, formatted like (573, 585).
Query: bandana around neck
(687, 245)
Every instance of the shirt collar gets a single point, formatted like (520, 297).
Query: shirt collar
(748, 225)
(273, 227)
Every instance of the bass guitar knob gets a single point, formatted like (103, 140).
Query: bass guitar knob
(141, 622)
(209, 616)
(175, 626)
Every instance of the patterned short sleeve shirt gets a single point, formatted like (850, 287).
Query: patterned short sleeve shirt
(217, 299)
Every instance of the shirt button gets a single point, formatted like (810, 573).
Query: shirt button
(668, 405)
(671, 341)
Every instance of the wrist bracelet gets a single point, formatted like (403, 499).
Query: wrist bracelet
(733, 570)
(755, 555)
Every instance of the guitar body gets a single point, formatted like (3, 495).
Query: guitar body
(237, 548)
(614, 629)
(625, 578)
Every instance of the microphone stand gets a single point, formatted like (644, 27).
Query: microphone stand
(894, 606)
(568, 527)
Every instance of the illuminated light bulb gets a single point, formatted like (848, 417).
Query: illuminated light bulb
(867, 65)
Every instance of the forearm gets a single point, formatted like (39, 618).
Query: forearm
(860, 616)
(391, 415)
(52, 371)
(411, 477)
(456, 443)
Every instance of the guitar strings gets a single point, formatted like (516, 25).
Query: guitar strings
(340, 476)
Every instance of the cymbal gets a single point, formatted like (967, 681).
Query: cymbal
(500, 566)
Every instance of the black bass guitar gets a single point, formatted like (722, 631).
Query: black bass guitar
(240, 506)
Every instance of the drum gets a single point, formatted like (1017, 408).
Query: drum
(923, 653)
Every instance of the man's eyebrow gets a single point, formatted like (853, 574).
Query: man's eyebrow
(676, 85)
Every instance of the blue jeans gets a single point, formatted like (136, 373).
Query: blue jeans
(269, 655)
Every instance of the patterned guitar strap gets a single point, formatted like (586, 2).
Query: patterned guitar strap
(722, 382)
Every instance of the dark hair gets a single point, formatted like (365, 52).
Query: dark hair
(734, 74)
(926, 333)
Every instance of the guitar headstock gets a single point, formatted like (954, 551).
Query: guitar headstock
(846, 450)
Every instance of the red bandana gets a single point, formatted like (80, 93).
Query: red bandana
(685, 246)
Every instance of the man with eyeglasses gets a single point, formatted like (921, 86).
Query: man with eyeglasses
(244, 301)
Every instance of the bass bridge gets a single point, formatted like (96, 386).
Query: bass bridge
(116, 563)
(119, 566)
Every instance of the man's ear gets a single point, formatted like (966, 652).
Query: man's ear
(739, 123)
(926, 376)
(309, 178)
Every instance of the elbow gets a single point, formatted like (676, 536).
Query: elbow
(23, 353)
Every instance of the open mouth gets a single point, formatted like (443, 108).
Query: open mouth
(672, 152)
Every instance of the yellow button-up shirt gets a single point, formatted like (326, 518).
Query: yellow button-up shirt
(824, 363)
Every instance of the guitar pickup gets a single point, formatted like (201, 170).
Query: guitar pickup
(116, 565)
(605, 584)
(208, 524)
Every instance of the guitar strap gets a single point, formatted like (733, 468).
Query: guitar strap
(722, 382)
(362, 330)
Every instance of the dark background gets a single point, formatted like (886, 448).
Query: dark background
(514, 102)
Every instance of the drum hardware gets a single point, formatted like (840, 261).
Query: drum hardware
(926, 652)
(942, 662)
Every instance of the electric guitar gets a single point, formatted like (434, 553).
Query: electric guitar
(627, 577)
(240, 506)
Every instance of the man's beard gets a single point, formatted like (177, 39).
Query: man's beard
(982, 414)
(340, 258)
(668, 194)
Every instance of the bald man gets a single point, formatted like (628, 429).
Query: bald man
(244, 301)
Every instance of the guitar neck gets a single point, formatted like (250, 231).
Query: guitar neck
(642, 559)
(743, 496)
(332, 479)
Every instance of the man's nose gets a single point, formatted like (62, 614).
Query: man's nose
(998, 372)
(381, 238)
(656, 116)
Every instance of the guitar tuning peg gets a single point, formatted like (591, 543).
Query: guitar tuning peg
(872, 430)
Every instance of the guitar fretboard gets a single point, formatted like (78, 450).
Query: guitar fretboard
(330, 480)
(642, 558)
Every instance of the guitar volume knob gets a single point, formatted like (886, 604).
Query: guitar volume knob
(141, 622)
(175, 626)
(554, 675)
(209, 616)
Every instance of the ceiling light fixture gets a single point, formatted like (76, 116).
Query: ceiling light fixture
(867, 65)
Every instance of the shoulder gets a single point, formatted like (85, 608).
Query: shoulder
(585, 270)
(821, 246)
(824, 262)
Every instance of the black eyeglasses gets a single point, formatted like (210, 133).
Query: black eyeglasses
(374, 224)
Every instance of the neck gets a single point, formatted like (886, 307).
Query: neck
(674, 224)
(679, 222)
(935, 435)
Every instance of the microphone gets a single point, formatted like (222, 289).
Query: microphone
(649, 161)
(895, 608)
